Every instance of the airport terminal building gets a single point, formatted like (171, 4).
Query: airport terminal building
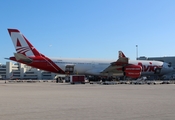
(21, 71)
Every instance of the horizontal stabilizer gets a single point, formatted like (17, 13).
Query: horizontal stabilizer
(7, 58)
(22, 58)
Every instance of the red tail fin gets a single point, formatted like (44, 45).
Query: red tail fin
(22, 45)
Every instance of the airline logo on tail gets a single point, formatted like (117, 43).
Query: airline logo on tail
(22, 45)
(21, 49)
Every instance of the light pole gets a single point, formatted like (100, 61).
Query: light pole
(136, 52)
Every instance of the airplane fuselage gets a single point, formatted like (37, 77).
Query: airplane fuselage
(26, 53)
(96, 66)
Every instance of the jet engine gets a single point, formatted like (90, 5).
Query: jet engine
(157, 71)
(133, 71)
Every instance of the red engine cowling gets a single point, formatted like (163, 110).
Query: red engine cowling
(133, 71)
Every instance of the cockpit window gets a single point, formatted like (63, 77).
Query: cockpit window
(169, 64)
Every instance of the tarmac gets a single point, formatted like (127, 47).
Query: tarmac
(63, 101)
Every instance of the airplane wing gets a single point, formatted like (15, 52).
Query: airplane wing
(117, 66)
(122, 67)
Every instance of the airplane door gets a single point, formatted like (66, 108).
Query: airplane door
(69, 69)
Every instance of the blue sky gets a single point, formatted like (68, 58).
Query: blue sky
(90, 28)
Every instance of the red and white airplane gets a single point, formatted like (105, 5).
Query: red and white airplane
(27, 54)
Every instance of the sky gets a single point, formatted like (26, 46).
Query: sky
(95, 29)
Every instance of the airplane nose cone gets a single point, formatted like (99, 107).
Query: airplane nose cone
(167, 68)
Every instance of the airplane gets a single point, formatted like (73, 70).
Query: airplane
(27, 54)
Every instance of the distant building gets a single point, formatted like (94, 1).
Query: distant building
(20, 71)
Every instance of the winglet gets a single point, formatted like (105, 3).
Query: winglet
(122, 59)
(121, 54)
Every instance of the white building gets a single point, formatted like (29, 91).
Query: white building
(20, 71)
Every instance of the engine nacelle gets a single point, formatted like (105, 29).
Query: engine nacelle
(133, 71)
